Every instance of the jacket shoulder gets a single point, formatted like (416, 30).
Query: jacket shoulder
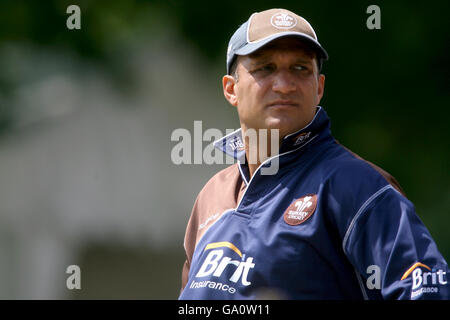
(222, 179)
(353, 167)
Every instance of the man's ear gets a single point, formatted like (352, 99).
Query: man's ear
(320, 87)
(229, 89)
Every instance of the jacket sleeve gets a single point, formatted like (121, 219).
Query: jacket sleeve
(393, 253)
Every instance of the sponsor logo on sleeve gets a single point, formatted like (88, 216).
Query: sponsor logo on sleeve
(425, 280)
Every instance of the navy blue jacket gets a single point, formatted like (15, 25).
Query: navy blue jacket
(327, 225)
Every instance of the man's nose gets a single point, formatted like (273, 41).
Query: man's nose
(284, 82)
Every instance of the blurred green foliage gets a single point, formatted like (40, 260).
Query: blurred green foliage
(386, 90)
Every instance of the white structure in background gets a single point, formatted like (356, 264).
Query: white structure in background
(87, 162)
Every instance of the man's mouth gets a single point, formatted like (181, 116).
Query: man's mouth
(282, 104)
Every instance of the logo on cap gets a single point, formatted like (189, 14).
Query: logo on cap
(283, 21)
(300, 210)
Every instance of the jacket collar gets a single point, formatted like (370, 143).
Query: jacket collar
(233, 145)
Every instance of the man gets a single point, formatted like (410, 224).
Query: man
(325, 224)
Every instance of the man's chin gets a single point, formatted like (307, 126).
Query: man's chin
(283, 125)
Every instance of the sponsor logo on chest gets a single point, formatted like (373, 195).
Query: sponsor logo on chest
(220, 258)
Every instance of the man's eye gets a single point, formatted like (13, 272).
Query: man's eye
(299, 67)
(266, 68)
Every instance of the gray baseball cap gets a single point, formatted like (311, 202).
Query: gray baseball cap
(266, 26)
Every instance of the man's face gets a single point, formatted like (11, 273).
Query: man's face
(278, 87)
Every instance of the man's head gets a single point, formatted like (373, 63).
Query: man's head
(273, 66)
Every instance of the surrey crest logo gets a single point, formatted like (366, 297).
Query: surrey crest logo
(300, 210)
(283, 21)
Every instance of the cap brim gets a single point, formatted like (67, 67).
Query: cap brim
(252, 47)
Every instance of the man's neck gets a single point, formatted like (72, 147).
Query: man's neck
(252, 168)
(260, 145)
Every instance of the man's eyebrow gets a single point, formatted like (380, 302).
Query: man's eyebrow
(257, 62)
(305, 60)
(259, 57)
